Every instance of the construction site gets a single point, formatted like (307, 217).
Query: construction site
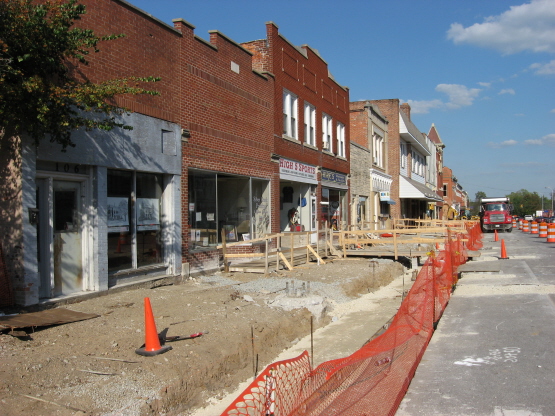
(217, 331)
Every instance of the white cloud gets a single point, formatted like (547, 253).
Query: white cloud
(552, 111)
(528, 27)
(507, 91)
(506, 143)
(548, 140)
(459, 95)
(544, 69)
(424, 107)
(484, 84)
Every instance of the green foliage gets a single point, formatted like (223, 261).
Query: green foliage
(525, 202)
(476, 205)
(39, 95)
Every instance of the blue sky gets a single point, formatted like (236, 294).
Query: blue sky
(483, 71)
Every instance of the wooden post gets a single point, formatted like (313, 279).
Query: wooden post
(266, 258)
(395, 242)
(317, 238)
(292, 248)
(307, 244)
(226, 265)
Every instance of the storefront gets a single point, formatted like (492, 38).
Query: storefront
(334, 200)
(237, 205)
(381, 198)
(99, 217)
(298, 183)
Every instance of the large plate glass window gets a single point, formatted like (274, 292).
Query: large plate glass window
(134, 213)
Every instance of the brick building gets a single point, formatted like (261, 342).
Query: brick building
(226, 110)
(108, 209)
(438, 146)
(408, 153)
(455, 198)
(150, 202)
(370, 180)
(310, 134)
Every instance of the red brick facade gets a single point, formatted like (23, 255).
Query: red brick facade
(228, 114)
(149, 48)
(304, 73)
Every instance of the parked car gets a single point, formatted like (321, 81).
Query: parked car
(528, 218)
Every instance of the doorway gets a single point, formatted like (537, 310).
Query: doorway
(60, 236)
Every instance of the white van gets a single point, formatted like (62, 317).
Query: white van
(528, 218)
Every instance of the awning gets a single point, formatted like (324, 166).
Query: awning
(390, 202)
(410, 189)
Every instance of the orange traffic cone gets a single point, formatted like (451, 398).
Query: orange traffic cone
(152, 341)
(503, 251)
(496, 237)
(121, 241)
(437, 246)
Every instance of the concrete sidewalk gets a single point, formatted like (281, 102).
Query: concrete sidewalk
(493, 352)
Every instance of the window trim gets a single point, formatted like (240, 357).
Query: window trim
(327, 137)
(290, 115)
(309, 124)
(340, 133)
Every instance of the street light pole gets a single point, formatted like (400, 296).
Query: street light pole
(547, 187)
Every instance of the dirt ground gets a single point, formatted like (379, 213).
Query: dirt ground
(90, 367)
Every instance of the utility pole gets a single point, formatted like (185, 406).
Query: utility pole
(547, 187)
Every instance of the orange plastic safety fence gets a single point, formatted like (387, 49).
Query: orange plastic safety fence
(374, 379)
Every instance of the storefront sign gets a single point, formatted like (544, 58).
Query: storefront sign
(296, 171)
(384, 196)
(334, 179)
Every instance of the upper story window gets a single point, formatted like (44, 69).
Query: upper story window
(378, 150)
(326, 132)
(403, 155)
(309, 124)
(290, 114)
(340, 139)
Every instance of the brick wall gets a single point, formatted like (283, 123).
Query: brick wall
(149, 48)
(300, 70)
(228, 109)
(390, 110)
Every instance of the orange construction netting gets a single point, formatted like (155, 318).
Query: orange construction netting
(374, 379)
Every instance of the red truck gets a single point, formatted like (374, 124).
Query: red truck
(495, 214)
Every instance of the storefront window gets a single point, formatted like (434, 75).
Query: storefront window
(238, 206)
(119, 224)
(203, 228)
(134, 224)
(234, 207)
(261, 212)
(334, 210)
(149, 193)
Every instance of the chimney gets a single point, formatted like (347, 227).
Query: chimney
(405, 108)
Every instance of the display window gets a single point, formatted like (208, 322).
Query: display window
(237, 207)
(134, 220)
(334, 207)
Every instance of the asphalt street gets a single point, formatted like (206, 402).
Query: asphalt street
(493, 352)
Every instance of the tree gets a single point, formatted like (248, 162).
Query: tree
(39, 95)
(525, 202)
(476, 206)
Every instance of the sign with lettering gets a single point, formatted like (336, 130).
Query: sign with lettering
(334, 179)
(297, 171)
